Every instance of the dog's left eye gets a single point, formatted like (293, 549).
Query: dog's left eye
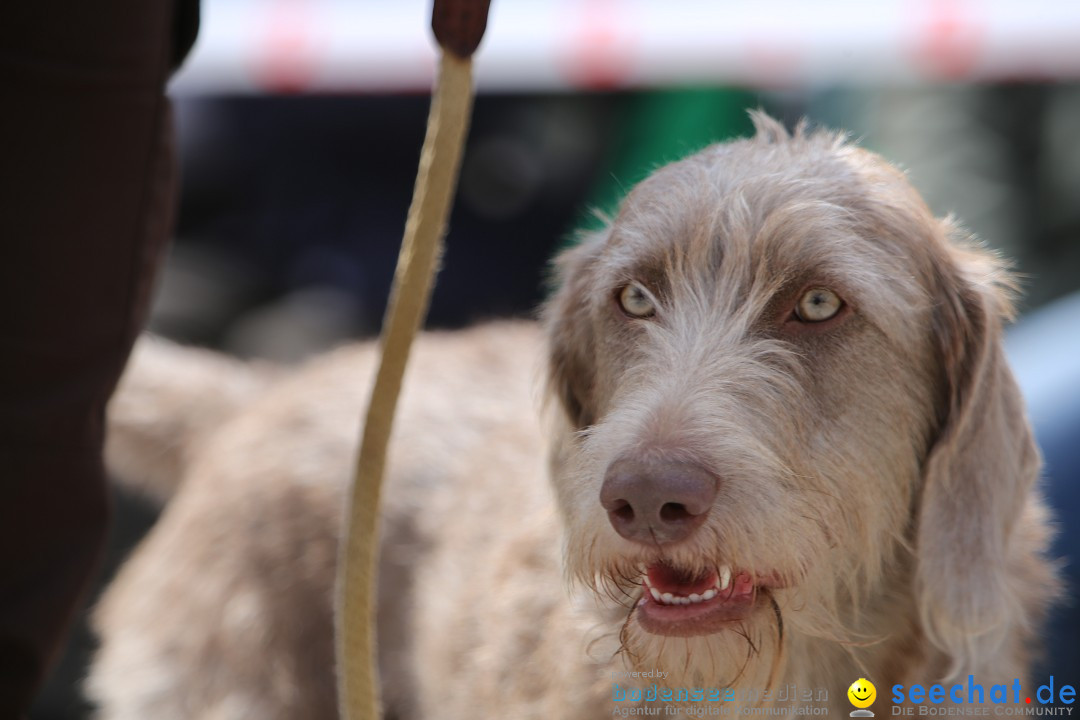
(635, 302)
(818, 305)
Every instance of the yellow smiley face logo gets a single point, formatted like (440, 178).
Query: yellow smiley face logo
(862, 693)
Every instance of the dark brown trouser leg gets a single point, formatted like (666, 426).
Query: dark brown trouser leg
(86, 201)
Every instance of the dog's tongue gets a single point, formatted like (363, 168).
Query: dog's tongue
(677, 582)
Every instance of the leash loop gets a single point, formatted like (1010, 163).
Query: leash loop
(458, 26)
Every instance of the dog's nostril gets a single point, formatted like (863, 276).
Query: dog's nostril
(624, 512)
(674, 512)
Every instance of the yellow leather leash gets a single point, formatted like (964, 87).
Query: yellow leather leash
(458, 26)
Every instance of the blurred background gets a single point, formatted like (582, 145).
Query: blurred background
(300, 123)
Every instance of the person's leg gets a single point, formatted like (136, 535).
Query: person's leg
(86, 201)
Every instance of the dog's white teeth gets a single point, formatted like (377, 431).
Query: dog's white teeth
(723, 579)
(672, 599)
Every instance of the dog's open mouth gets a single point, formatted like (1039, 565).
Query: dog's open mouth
(676, 603)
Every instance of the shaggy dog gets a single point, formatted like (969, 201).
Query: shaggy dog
(784, 452)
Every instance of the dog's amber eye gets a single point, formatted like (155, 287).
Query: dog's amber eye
(635, 302)
(818, 305)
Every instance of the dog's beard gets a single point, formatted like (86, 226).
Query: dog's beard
(747, 653)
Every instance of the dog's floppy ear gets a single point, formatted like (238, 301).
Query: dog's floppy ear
(978, 473)
(568, 325)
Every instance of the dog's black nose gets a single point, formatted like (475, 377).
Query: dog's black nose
(657, 502)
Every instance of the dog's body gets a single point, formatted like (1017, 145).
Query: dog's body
(240, 624)
(785, 450)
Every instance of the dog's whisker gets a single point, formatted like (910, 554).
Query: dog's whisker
(778, 654)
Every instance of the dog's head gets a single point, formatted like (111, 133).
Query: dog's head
(783, 396)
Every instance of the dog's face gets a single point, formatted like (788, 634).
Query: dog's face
(756, 361)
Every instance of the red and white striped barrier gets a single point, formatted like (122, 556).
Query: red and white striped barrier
(267, 46)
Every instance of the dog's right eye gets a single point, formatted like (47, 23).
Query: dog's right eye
(818, 305)
(636, 302)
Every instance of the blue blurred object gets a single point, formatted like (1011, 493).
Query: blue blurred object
(1044, 349)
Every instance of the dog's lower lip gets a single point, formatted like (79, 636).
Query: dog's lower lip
(701, 618)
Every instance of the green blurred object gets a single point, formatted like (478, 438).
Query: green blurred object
(658, 127)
